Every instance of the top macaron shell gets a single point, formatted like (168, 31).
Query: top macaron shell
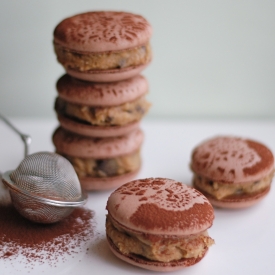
(101, 94)
(102, 31)
(161, 207)
(232, 160)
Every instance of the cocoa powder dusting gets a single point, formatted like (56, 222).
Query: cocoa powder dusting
(267, 159)
(43, 243)
(151, 216)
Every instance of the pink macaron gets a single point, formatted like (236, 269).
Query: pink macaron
(103, 46)
(101, 163)
(232, 172)
(101, 109)
(158, 224)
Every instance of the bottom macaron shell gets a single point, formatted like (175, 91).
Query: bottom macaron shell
(107, 75)
(235, 202)
(153, 265)
(89, 183)
(95, 131)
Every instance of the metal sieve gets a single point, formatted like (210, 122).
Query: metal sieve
(44, 188)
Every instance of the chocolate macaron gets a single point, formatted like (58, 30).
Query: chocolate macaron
(103, 46)
(158, 224)
(101, 163)
(101, 109)
(232, 172)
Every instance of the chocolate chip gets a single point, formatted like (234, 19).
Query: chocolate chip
(239, 191)
(122, 63)
(139, 109)
(92, 111)
(143, 49)
(108, 166)
(108, 119)
(210, 183)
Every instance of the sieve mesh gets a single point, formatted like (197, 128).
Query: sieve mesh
(48, 175)
(37, 211)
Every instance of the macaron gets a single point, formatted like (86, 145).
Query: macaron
(158, 224)
(101, 109)
(101, 163)
(232, 172)
(103, 46)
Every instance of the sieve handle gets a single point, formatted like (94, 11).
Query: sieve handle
(26, 138)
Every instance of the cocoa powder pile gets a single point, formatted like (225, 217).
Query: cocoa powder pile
(43, 243)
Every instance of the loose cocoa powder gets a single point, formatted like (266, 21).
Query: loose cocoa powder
(43, 243)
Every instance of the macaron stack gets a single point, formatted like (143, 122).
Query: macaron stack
(101, 98)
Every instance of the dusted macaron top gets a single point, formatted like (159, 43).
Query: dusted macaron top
(86, 147)
(160, 206)
(102, 31)
(232, 160)
(101, 94)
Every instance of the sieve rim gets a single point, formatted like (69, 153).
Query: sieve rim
(10, 184)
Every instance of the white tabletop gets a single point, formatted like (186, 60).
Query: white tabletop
(244, 239)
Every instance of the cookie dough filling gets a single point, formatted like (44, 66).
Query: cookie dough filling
(105, 116)
(84, 62)
(100, 168)
(222, 190)
(165, 249)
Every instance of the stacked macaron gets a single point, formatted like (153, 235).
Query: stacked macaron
(102, 97)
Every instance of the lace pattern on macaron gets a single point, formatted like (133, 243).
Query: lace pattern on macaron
(110, 28)
(163, 192)
(229, 159)
(160, 206)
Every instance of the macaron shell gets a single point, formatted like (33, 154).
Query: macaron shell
(101, 94)
(108, 75)
(93, 184)
(232, 160)
(75, 145)
(237, 202)
(102, 31)
(153, 265)
(160, 206)
(96, 131)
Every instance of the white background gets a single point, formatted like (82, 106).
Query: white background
(244, 239)
(211, 58)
